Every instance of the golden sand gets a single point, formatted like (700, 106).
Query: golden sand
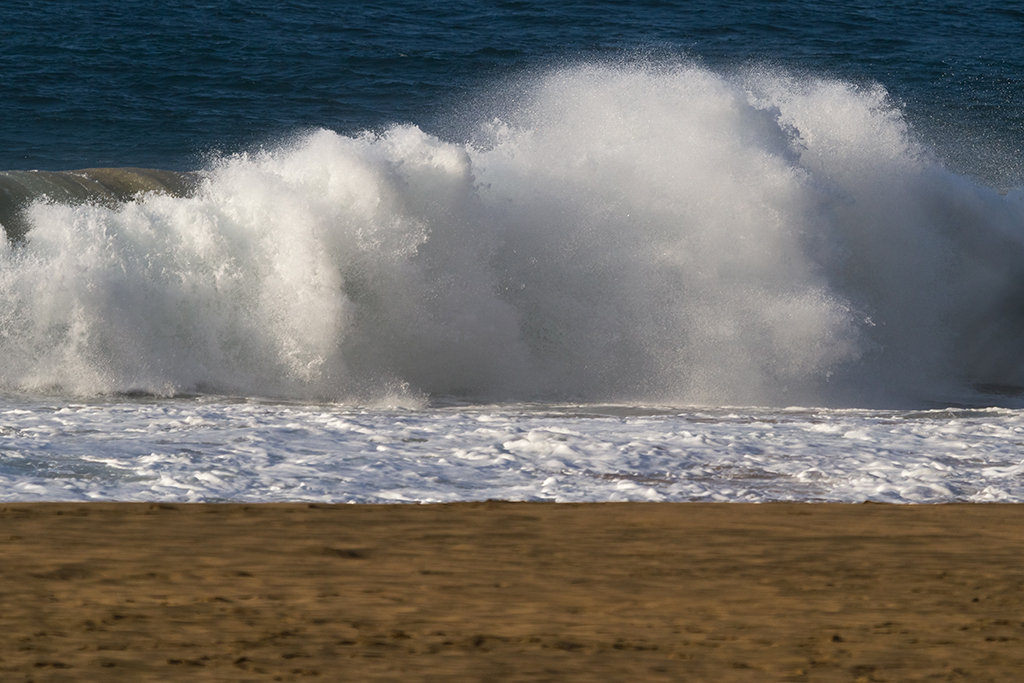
(511, 592)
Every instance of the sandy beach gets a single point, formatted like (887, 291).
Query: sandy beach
(511, 592)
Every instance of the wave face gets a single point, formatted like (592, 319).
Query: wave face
(108, 186)
(616, 234)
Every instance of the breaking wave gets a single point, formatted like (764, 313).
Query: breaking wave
(670, 235)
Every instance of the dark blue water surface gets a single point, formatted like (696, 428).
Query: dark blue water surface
(119, 83)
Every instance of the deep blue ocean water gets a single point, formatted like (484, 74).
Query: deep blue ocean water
(119, 83)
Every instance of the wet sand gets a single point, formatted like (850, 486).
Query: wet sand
(511, 592)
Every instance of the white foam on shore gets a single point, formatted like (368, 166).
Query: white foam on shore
(205, 450)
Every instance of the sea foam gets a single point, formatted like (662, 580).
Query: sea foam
(646, 234)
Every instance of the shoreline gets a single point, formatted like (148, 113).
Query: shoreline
(511, 591)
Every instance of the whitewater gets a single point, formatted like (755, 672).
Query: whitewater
(615, 283)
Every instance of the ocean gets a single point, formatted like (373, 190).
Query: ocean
(427, 252)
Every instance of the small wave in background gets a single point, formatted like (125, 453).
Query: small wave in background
(625, 234)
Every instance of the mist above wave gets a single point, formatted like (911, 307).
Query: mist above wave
(618, 234)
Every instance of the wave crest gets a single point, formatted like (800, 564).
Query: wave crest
(670, 235)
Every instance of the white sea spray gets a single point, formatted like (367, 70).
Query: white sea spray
(634, 234)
